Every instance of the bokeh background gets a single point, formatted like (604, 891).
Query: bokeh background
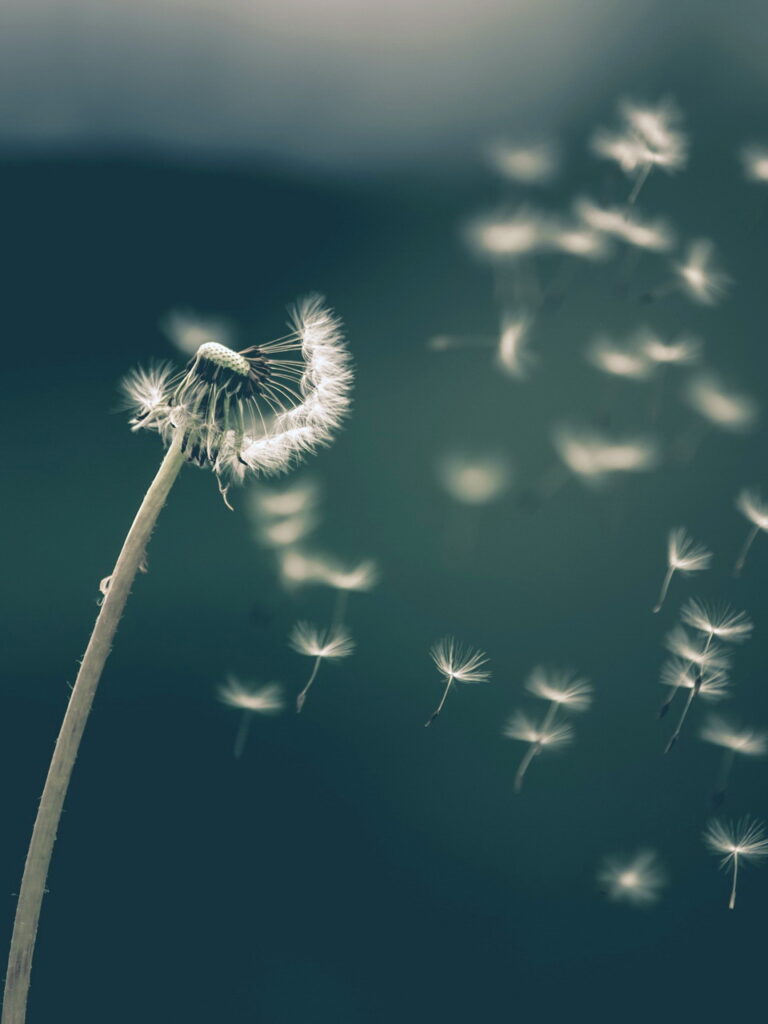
(353, 866)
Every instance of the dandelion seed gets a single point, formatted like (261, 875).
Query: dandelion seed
(576, 240)
(754, 159)
(672, 353)
(322, 645)
(267, 700)
(474, 479)
(513, 353)
(287, 531)
(701, 671)
(538, 737)
(189, 332)
(699, 277)
(745, 840)
(628, 361)
(347, 579)
(684, 555)
(751, 504)
(533, 164)
(638, 879)
(561, 687)
(593, 457)
(656, 236)
(744, 742)
(508, 235)
(729, 410)
(294, 499)
(719, 621)
(457, 664)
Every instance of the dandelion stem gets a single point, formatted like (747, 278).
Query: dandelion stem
(732, 900)
(664, 588)
(639, 182)
(525, 764)
(242, 733)
(303, 695)
(674, 737)
(745, 550)
(439, 707)
(65, 752)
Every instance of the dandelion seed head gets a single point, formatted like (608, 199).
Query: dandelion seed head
(729, 410)
(257, 410)
(315, 642)
(267, 700)
(750, 742)
(745, 839)
(717, 620)
(521, 726)
(560, 686)
(752, 505)
(638, 879)
(474, 479)
(458, 662)
(658, 130)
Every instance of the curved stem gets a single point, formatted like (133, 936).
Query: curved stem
(674, 737)
(68, 742)
(439, 707)
(525, 764)
(303, 695)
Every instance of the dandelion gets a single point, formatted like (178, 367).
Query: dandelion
(232, 412)
(751, 504)
(297, 568)
(628, 361)
(474, 479)
(592, 457)
(717, 621)
(577, 240)
(293, 499)
(347, 579)
(322, 645)
(457, 664)
(699, 276)
(684, 555)
(754, 159)
(267, 700)
(723, 408)
(532, 164)
(538, 737)
(744, 742)
(637, 880)
(286, 532)
(745, 840)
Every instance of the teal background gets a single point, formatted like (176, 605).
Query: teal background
(354, 867)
